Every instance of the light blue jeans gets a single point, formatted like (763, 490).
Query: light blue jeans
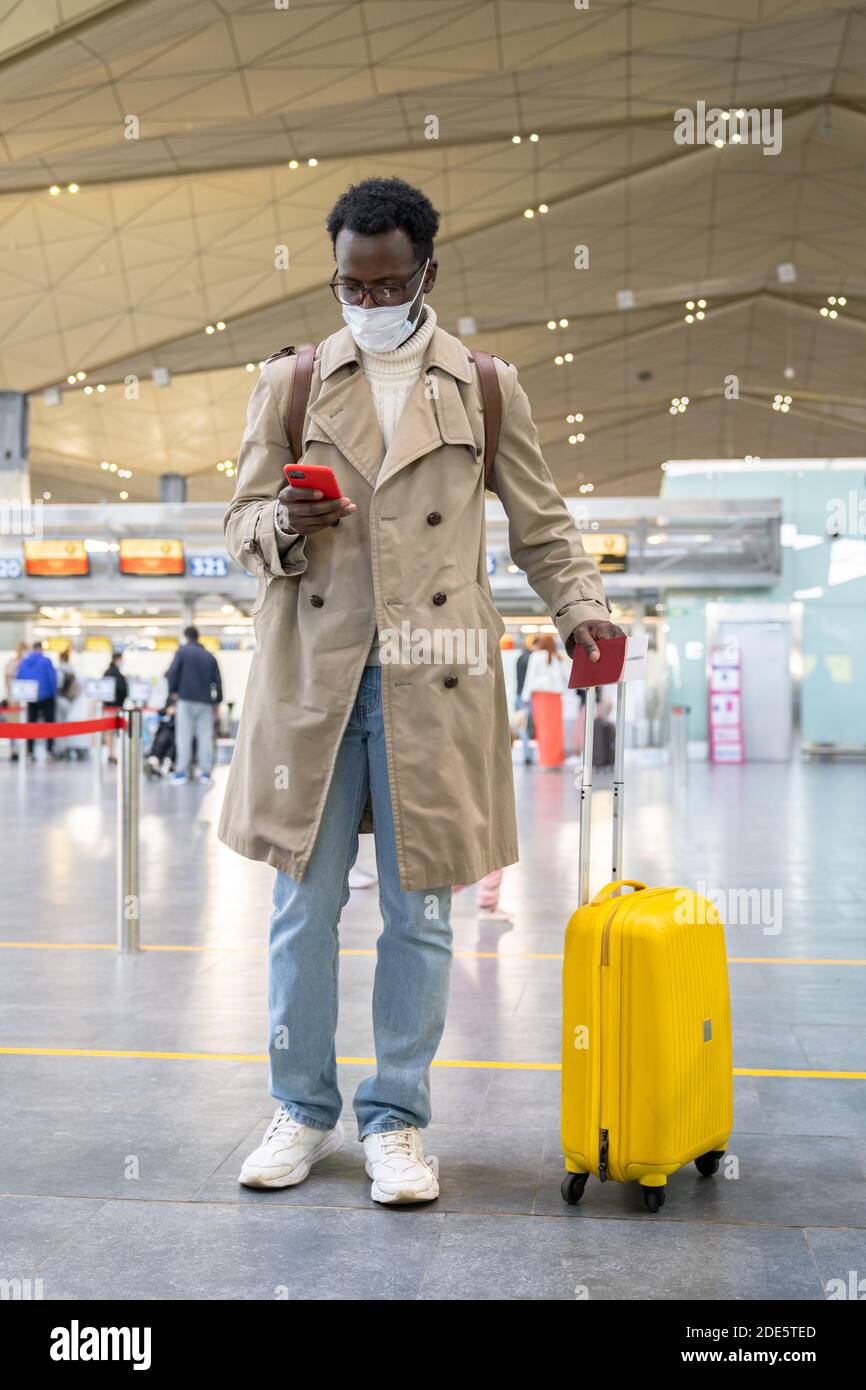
(413, 965)
(193, 719)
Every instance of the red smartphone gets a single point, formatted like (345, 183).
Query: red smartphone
(606, 671)
(315, 476)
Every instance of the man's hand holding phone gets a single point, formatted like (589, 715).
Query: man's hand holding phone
(307, 508)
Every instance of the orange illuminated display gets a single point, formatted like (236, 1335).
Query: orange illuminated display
(151, 557)
(55, 558)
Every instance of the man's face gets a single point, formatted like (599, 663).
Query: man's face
(387, 261)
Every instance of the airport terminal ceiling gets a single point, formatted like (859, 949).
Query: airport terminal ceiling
(203, 137)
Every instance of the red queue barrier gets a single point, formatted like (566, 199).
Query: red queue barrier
(78, 726)
(128, 805)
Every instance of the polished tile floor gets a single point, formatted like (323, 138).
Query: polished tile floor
(118, 1172)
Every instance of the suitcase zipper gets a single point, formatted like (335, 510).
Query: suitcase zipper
(604, 1145)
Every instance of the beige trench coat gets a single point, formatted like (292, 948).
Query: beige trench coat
(418, 532)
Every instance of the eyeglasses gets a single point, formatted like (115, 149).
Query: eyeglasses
(350, 292)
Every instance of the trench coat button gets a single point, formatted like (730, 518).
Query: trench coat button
(450, 682)
(317, 601)
(433, 518)
(439, 599)
(249, 546)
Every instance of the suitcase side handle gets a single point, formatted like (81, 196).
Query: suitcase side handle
(611, 889)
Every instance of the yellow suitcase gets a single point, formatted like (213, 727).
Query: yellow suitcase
(647, 1080)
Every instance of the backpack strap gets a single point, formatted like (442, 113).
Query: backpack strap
(299, 399)
(491, 399)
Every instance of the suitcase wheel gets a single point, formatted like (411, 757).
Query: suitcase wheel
(572, 1187)
(653, 1198)
(708, 1164)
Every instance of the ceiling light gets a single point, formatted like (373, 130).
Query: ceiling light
(572, 439)
(527, 212)
(515, 139)
(72, 378)
(569, 357)
(690, 304)
(312, 163)
(251, 366)
(54, 190)
(718, 144)
(210, 328)
(559, 361)
(46, 497)
(88, 390)
(293, 164)
(220, 326)
(79, 376)
(563, 323)
(124, 496)
(542, 207)
(534, 139)
(842, 300)
(551, 323)
(581, 438)
(100, 388)
(104, 466)
(73, 188)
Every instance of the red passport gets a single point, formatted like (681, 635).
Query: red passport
(606, 671)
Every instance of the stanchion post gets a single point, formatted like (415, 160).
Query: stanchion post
(586, 795)
(128, 812)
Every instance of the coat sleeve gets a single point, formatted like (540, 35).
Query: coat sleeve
(543, 538)
(253, 537)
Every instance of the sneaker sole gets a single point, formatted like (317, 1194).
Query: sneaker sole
(329, 1145)
(404, 1196)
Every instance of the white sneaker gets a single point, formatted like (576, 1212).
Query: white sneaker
(361, 878)
(288, 1152)
(396, 1163)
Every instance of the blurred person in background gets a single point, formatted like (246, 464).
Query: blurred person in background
(524, 721)
(71, 705)
(10, 674)
(546, 682)
(37, 666)
(117, 700)
(194, 680)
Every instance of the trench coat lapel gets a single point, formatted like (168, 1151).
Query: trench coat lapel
(345, 414)
(435, 413)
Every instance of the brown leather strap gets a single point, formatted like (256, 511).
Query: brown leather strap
(302, 378)
(492, 401)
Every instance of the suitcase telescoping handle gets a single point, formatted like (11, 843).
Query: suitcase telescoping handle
(586, 791)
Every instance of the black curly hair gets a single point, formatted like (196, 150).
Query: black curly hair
(381, 205)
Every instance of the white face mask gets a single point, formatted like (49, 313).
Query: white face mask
(383, 329)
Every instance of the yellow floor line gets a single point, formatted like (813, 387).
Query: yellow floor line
(371, 1061)
(370, 951)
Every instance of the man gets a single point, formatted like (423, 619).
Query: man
(376, 692)
(37, 666)
(113, 673)
(194, 678)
